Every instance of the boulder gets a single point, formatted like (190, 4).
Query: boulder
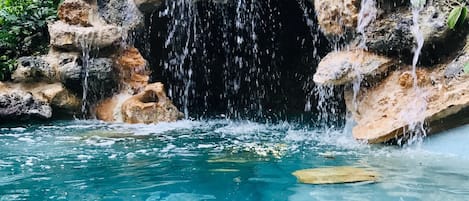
(72, 37)
(148, 6)
(335, 17)
(388, 110)
(150, 106)
(340, 68)
(335, 175)
(391, 34)
(19, 105)
(75, 12)
(35, 100)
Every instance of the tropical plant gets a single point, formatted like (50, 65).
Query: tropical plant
(23, 30)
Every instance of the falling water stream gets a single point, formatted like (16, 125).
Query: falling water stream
(414, 115)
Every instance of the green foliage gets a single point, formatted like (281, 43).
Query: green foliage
(457, 16)
(23, 30)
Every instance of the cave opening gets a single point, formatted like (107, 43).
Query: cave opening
(238, 59)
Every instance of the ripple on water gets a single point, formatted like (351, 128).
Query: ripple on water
(217, 159)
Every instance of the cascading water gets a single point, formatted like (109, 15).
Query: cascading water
(181, 34)
(238, 67)
(414, 114)
(85, 44)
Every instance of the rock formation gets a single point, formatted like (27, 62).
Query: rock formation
(388, 104)
(88, 43)
(35, 100)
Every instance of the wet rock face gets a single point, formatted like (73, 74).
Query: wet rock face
(340, 68)
(335, 17)
(150, 106)
(148, 6)
(391, 34)
(75, 12)
(383, 111)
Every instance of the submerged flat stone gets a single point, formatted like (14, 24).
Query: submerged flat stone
(335, 175)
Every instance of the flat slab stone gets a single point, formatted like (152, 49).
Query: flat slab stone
(335, 175)
(340, 68)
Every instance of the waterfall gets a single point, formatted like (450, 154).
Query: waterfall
(414, 115)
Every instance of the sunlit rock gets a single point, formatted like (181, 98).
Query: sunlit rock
(133, 71)
(385, 111)
(335, 175)
(150, 106)
(335, 17)
(35, 100)
(72, 37)
(339, 68)
(75, 12)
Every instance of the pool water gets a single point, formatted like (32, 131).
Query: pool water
(219, 160)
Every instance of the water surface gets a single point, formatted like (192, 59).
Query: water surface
(218, 160)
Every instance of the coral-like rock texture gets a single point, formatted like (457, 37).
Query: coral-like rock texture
(75, 12)
(150, 106)
(335, 17)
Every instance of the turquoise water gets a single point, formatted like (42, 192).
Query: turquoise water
(218, 160)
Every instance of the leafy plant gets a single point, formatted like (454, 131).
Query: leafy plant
(457, 16)
(23, 30)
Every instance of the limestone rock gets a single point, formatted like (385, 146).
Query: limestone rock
(148, 6)
(66, 67)
(391, 33)
(122, 13)
(385, 111)
(335, 17)
(32, 69)
(150, 106)
(71, 37)
(132, 67)
(339, 68)
(17, 104)
(35, 100)
(75, 12)
(335, 175)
